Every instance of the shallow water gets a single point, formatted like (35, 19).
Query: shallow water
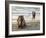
(29, 26)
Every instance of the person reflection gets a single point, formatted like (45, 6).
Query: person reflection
(21, 22)
(33, 14)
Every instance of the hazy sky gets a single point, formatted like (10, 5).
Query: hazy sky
(17, 10)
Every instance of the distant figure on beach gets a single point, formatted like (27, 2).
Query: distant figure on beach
(21, 22)
(33, 14)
